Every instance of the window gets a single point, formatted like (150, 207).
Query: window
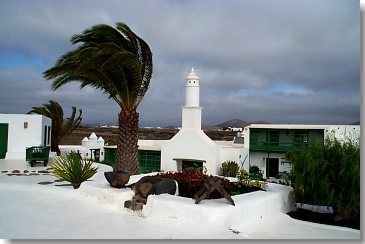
(48, 135)
(254, 137)
(273, 138)
(301, 137)
(45, 136)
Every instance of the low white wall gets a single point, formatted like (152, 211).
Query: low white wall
(248, 207)
(153, 145)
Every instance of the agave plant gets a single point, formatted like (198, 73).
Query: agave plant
(72, 168)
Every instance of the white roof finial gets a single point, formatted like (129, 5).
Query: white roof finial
(192, 75)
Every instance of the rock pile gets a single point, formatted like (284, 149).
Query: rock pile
(146, 186)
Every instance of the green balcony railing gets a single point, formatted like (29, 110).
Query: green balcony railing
(274, 146)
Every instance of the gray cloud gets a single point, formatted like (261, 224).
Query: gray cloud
(282, 61)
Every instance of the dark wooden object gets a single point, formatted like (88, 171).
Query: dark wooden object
(209, 186)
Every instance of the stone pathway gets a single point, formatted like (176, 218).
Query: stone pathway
(17, 172)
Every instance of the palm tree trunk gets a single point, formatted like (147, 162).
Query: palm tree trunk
(127, 151)
(54, 144)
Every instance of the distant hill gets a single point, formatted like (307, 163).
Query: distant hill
(204, 127)
(238, 123)
(233, 123)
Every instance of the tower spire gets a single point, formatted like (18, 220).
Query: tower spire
(192, 75)
(191, 113)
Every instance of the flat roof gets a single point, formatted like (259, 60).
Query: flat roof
(228, 144)
(189, 160)
(288, 126)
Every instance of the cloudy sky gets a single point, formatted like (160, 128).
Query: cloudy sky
(281, 61)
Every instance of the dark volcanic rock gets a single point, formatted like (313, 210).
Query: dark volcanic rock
(146, 186)
(165, 185)
(145, 189)
(133, 205)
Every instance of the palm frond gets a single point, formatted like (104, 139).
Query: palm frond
(114, 60)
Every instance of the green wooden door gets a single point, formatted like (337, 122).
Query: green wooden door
(3, 140)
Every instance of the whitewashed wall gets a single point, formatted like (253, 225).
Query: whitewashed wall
(75, 148)
(19, 138)
(91, 142)
(343, 132)
(189, 145)
(233, 153)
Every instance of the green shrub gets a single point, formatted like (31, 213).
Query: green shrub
(230, 168)
(193, 168)
(244, 180)
(329, 175)
(72, 168)
(254, 169)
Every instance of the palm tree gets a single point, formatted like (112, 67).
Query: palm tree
(60, 127)
(119, 63)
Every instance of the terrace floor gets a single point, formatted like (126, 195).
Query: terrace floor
(54, 210)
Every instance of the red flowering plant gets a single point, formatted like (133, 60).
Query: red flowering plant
(191, 182)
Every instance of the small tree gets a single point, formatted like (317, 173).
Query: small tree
(328, 174)
(61, 127)
(119, 63)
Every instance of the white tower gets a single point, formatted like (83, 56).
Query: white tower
(192, 90)
(191, 112)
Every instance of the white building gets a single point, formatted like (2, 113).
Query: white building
(19, 131)
(91, 147)
(191, 144)
(268, 143)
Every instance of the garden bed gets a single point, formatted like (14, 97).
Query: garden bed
(190, 183)
(323, 218)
